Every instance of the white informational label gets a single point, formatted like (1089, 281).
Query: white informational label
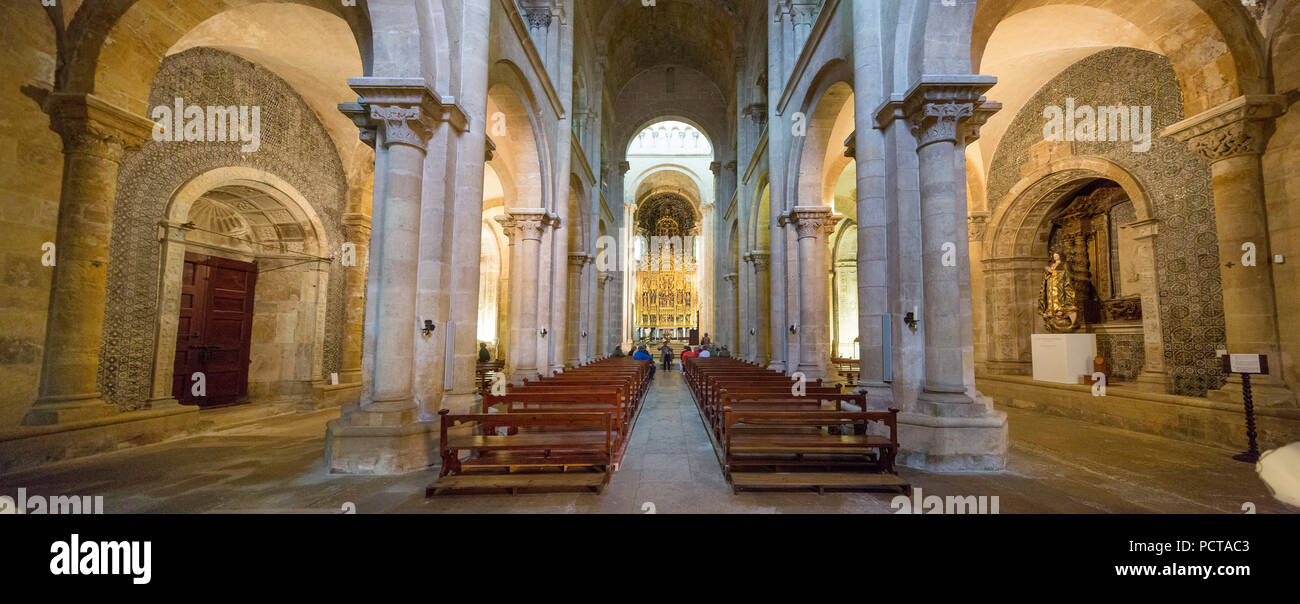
(1244, 363)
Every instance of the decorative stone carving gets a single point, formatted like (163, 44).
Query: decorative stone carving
(761, 261)
(538, 17)
(1123, 309)
(404, 125)
(813, 222)
(977, 225)
(938, 122)
(1232, 129)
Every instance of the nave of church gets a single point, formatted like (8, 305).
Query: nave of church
(985, 248)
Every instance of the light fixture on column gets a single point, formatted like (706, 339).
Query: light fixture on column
(753, 331)
(584, 334)
(541, 331)
(912, 318)
(794, 328)
(427, 328)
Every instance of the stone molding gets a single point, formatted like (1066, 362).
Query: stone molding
(760, 260)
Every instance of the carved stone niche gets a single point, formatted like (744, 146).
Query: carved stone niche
(1082, 235)
(1122, 309)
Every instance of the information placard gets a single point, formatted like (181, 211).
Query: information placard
(1245, 363)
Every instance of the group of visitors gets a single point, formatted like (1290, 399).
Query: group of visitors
(706, 349)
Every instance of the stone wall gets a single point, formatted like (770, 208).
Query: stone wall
(294, 147)
(1178, 181)
(31, 169)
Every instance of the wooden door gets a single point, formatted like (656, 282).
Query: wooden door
(215, 330)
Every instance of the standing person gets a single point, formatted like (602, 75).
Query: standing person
(668, 355)
(706, 341)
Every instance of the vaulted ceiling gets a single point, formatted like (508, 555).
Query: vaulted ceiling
(700, 34)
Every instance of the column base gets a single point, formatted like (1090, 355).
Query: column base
(380, 438)
(813, 372)
(1262, 395)
(880, 395)
(776, 365)
(164, 404)
(51, 411)
(462, 402)
(950, 432)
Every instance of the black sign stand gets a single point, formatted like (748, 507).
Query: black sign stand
(1251, 455)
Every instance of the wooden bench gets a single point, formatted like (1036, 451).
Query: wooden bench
(798, 449)
(770, 437)
(552, 441)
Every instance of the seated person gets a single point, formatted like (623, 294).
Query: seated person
(618, 351)
(642, 355)
(688, 352)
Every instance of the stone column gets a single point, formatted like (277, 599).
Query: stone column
(356, 231)
(935, 115)
(1153, 376)
(727, 327)
(573, 316)
(762, 288)
(383, 434)
(949, 428)
(95, 137)
(1232, 137)
(609, 329)
(524, 227)
(813, 224)
(804, 12)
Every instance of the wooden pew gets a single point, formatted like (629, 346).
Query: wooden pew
(768, 436)
(536, 435)
(797, 449)
(580, 440)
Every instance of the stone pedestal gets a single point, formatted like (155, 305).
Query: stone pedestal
(1063, 357)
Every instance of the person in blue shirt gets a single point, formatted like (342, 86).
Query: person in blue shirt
(642, 355)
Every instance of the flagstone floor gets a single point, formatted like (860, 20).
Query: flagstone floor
(276, 465)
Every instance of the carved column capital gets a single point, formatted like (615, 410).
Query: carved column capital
(761, 261)
(1239, 127)
(403, 125)
(524, 224)
(577, 261)
(938, 107)
(813, 221)
(92, 126)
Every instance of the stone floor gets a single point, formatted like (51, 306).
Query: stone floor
(275, 465)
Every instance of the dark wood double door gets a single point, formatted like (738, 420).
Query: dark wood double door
(215, 331)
